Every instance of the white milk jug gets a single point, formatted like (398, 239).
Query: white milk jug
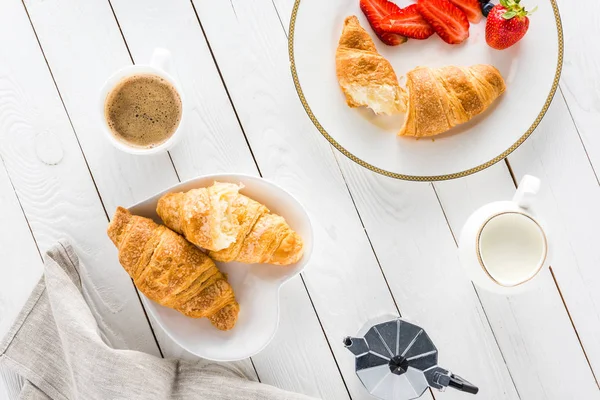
(502, 246)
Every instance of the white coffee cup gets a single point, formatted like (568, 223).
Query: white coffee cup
(502, 246)
(160, 65)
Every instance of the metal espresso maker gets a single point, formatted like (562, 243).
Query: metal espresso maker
(396, 360)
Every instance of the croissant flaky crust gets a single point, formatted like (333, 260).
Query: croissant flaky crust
(231, 226)
(365, 76)
(440, 98)
(171, 271)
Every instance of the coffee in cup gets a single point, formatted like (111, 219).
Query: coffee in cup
(143, 110)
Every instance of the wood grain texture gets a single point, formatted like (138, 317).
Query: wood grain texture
(83, 47)
(580, 82)
(580, 86)
(407, 228)
(80, 65)
(10, 384)
(20, 271)
(528, 326)
(250, 47)
(213, 141)
(216, 143)
(212, 146)
(568, 204)
(52, 182)
(404, 220)
(418, 256)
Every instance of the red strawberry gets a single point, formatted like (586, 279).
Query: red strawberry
(407, 22)
(506, 24)
(471, 8)
(391, 39)
(449, 22)
(375, 11)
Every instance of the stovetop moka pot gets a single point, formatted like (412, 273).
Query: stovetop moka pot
(396, 360)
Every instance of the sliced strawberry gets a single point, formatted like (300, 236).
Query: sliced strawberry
(448, 21)
(472, 8)
(375, 11)
(391, 39)
(407, 22)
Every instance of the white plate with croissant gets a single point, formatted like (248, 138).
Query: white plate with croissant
(458, 108)
(210, 256)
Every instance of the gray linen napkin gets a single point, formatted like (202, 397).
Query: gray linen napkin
(56, 347)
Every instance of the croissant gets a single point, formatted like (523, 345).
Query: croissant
(171, 271)
(366, 77)
(231, 226)
(441, 98)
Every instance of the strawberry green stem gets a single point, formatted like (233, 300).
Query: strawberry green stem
(514, 9)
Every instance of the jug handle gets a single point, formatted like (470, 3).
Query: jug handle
(528, 188)
(161, 59)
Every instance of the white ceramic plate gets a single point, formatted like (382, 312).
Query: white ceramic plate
(531, 69)
(256, 286)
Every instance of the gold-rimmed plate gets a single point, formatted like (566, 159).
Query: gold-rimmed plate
(531, 70)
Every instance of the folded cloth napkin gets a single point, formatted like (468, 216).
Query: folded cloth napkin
(55, 346)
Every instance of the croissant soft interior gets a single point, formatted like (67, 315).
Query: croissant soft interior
(435, 99)
(231, 226)
(365, 76)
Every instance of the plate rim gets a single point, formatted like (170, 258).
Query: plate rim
(426, 178)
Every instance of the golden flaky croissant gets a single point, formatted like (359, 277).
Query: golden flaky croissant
(232, 226)
(171, 271)
(365, 76)
(441, 98)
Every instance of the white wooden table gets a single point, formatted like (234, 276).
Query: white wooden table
(382, 246)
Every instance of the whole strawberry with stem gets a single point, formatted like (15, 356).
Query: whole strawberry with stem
(506, 24)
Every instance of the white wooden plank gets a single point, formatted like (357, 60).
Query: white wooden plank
(580, 80)
(531, 325)
(580, 84)
(80, 68)
(569, 204)
(52, 182)
(499, 375)
(461, 197)
(83, 47)
(386, 206)
(524, 314)
(284, 11)
(214, 141)
(217, 144)
(20, 270)
(21, 265)
(254, 64)
(10, 384)
(211, 146)
(418, 255)
(528, 327)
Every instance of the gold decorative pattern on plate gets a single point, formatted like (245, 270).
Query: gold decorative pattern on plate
(417, 177)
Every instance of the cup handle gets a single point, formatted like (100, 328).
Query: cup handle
(161, 59)
(528, 188)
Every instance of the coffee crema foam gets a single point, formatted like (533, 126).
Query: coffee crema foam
(143, 110)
